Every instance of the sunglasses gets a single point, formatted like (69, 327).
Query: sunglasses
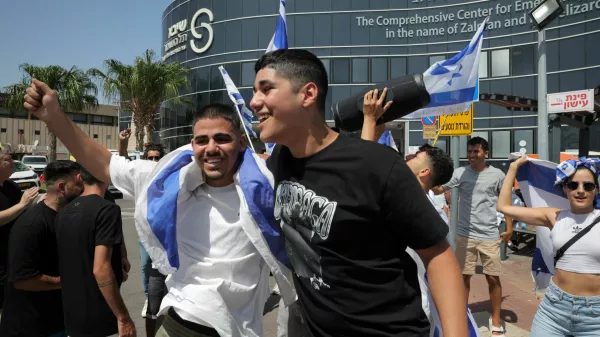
(153, 158)
(587, 186)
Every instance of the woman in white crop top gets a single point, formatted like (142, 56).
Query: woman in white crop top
(571, 306)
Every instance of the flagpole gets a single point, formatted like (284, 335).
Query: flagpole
(245, 132)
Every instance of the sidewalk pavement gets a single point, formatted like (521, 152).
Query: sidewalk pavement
(519, 303)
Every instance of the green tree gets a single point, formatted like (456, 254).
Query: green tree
(76, 91)
(142, 87)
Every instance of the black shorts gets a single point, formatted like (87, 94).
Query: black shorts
(156, 291)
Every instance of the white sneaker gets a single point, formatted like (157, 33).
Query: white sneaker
(145, 308)
(275, 290)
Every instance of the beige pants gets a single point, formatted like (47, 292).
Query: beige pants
(467, 251)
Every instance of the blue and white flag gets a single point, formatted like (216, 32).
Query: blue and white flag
(536, 180)
(387, 139)
(279, 41)
(426, 299)
(453, 84)
(238, 100)
(174, 180)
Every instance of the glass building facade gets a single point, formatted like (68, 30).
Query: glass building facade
(362, 42)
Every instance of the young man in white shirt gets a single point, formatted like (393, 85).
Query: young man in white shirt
(221, 285)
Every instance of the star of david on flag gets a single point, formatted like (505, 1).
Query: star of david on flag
(453, 84)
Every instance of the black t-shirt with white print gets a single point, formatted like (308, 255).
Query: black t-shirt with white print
(348, 213)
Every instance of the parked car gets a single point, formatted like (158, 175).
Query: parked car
(36, 163)
(24, 177)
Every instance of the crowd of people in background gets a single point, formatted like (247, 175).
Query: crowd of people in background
(351, 231)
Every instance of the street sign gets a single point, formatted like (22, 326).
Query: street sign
(582, 100)
(429, 120)
(458, 124)
(429, 131)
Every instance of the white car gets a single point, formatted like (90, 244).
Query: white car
(24, 177)
(36, 163)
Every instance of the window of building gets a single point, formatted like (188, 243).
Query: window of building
(483, 64)
(397, 67)
(21, 132)
(107, 120)
(522, 60)
(95, 136)
(501, 144)
(500, 62)
(36, 132)
(327, 65)
(523, 140)
(436, 58)
(341, 71)
(107, 137)
(379, 69)
(4, 112)
(78, 118)
(482, 134)
(360, 70)
(19, 114)
(3, 130)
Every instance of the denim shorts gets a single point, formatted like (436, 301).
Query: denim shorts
(563, 314)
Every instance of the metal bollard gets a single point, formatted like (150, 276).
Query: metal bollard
(503, 245)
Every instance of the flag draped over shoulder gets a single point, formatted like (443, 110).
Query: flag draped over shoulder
(453, 84)
(536, 179)
(156, 219)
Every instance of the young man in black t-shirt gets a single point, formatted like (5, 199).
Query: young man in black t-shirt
(89, 234)
(12, 203)
(348, 209)
(33, 304)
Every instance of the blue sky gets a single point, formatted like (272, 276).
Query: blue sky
(83, 33)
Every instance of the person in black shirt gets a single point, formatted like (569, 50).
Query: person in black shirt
(33, 304)
(89, 234)
(12, 204)
(348, 209)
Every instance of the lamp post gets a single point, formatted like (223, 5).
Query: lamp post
(541, 15)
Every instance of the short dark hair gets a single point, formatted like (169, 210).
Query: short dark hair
(479, 141)
(60, 170)
(299, 67)
(218, 110)
(88, 178)
(154, 147)
(441, 164)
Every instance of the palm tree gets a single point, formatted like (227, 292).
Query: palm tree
(142, 87)
(74, 88)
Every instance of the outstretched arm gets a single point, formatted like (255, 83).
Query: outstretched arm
(124, 142)
(543, 216)
(43, 103)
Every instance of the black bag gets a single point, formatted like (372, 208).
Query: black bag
(574, 239)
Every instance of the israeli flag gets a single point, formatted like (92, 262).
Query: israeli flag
(156, 216)
(387, 139)
(454, 84)
(238, 100)
(536, 179)
(279, 40)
